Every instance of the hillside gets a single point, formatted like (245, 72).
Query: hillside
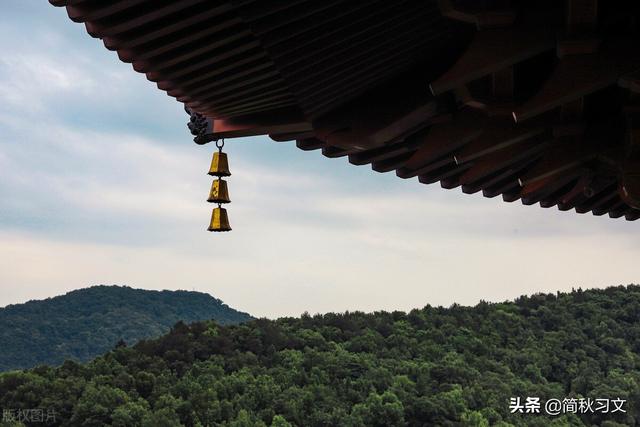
(431, 367)
(85, 323)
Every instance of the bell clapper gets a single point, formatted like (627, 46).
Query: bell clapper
(219, 192)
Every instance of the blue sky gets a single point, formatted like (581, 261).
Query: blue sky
(101, 183)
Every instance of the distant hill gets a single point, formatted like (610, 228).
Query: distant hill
(85, 323)
(456, 366)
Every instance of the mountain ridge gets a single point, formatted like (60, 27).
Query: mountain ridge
(85, 323)
(435, 366)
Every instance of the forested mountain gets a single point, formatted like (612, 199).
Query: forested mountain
(430, 367)
(88, 322)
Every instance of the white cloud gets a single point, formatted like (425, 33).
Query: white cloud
(308, 242)
(88, 199)
(30, 79)
(285, 272)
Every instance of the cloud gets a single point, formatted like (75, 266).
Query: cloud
(100, 183)
(91, 207)
(285, 274)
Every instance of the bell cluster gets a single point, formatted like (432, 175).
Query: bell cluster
(219, 192)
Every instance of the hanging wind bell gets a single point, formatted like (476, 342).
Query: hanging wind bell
(219, 192)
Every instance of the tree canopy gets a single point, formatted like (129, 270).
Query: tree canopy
(88, 322)
(433, 366)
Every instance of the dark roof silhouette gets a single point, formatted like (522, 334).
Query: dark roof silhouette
(529, 100)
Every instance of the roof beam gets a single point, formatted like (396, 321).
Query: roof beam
(498, 134)
(561, 157)
(486, 19)
(375, 133)
(492, 51)
(284, 121)
(578, 75)
(503, 158)
(444, 138)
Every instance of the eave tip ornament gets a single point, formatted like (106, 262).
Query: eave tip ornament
(219, 192)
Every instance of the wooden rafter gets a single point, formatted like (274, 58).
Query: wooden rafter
(576, 76)
(492, 51)
(502, 159)
(498, 134)
(561, 157)
(443, 138)
(481, 19)
(350, 79)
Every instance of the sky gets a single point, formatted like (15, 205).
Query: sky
(101, 183)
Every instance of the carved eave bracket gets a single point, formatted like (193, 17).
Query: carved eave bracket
(548, 127)
(284, 125)
(200, 126)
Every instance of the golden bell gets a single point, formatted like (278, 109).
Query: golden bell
(219, 192)
(219, 164)
(219, 220)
